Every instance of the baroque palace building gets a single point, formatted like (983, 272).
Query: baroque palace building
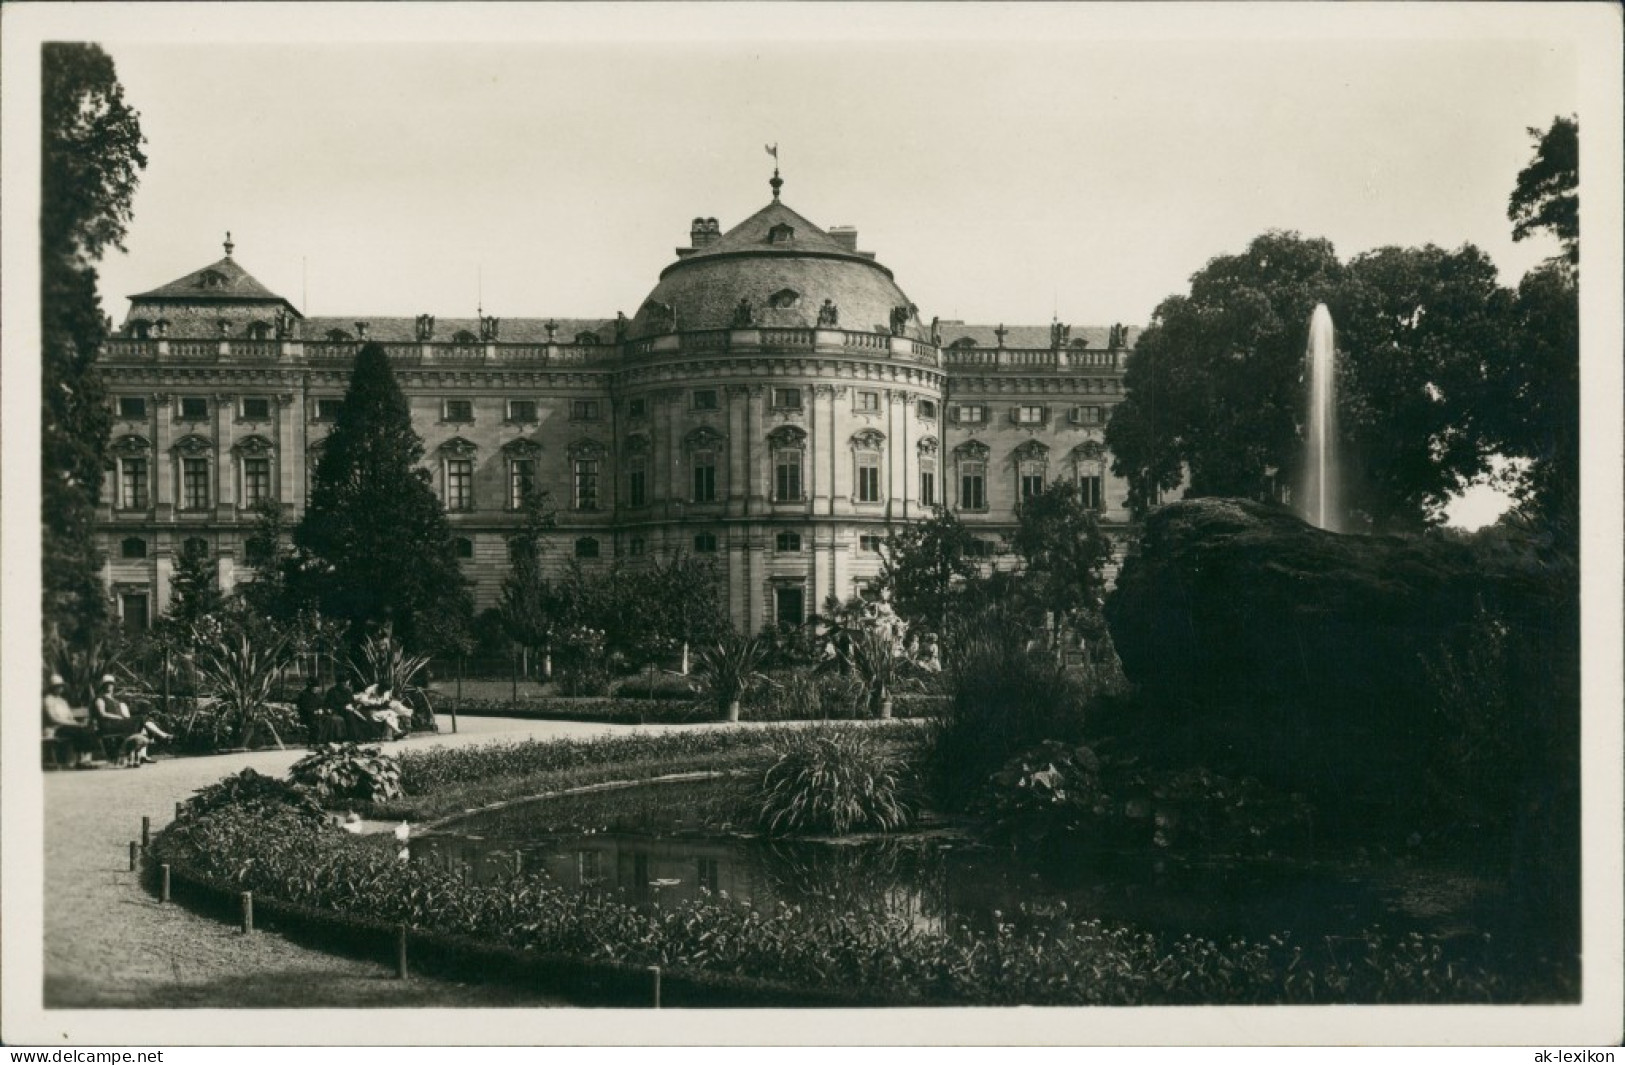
(776, 402)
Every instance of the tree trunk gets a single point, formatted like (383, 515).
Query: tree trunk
(733, 710)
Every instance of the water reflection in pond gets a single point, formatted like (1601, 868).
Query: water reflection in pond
(669, 843)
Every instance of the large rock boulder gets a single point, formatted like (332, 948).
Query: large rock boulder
(1309, 657)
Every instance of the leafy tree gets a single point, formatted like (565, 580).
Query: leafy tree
(530, 607)
(1213, 384)
(378, 542)
(1422, 339)
(925, 566)
(1063, 551)
(1540, 402)
(90, 158)
(1546, 196)
(268, 554)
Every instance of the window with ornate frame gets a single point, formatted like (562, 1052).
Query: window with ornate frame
(1032, 469)
(132, 458)
(927, 448)
(586, 459)
(867, 448)
(788, 446)
(970, 460)
(704, 445)
(255, 470)
(1089, 463)
(457, 459)
(522, 459)
(194, 472)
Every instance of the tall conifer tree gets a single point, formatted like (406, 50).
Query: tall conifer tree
(90, 157)
(379, 549)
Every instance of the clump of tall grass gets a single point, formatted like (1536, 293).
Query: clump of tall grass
(832, 780)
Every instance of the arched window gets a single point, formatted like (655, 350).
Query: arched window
(133, 547)
(464, 337)
(462, 547)
(337, 336)
(784, 299)
(587, 547)
(788, 445)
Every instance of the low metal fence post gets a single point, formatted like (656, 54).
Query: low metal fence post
(248, 912)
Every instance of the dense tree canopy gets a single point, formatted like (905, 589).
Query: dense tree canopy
(1546, 196)
(1213, 386)
(925, 567)
(90, 159)
(1063, 551)
(378, 546)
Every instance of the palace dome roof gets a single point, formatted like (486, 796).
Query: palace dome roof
(786, 267)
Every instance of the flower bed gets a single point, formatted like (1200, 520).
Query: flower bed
(786, 954)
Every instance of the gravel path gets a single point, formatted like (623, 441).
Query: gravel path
(109, 943)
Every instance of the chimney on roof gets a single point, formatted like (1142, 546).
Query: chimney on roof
(703, 231)
(845, 236)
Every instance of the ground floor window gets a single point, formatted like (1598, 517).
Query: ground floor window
(133, 611)
(789, 606)
(1089, 491)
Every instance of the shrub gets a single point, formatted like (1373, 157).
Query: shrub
(832, 780)
(256, 794)
(343, 772)
(728, 671)
(1049, 788)
(1005, 700)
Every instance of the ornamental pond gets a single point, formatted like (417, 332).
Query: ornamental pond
(666, 843)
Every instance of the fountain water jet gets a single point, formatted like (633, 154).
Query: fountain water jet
(1321, 502)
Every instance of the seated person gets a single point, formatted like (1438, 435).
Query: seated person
(313, 715)
(112, 717)
(63, 726)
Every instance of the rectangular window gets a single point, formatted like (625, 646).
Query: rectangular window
(133, 494)
(586, 484)
(459, 410)
(706, 874)
(327, 408)
(584, 410)
(868, 479)
(789, 607)
(705, 543)
(637, 546)
(194, 408)
(256, 408)
(134, 611)
(787, 476)
(870, 544)
(1087, 415)
(194, 484)
(637, 408)
(132, 406)
(972, 487)
(459, 484)
(868, 402)
(1089, 491)
(705, 477)
(928, 409)
(928, 488)
(969, 413)
(637, 487)
(787, 399)
(1029, 414)
(521, 410)
(705, 399)
(256, 480)
(787, 542)
(1031, 484)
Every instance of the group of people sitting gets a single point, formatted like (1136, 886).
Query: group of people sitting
(106, 725)
(342, 714)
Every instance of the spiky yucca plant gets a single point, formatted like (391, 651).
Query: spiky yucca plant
(241, 675)
(727, 671)
(832, 780)
(382, 660)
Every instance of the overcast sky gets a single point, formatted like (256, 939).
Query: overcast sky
(1047, 164)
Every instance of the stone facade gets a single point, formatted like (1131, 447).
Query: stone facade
(776, 401)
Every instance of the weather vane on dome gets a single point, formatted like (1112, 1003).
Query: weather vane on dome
(777, 182)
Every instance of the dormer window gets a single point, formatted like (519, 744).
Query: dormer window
(259, 330)
(140, 328)
(337, 336)
(211, 279)
(463, 336)
(784, 299)
(781, 234)
(585, 339)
